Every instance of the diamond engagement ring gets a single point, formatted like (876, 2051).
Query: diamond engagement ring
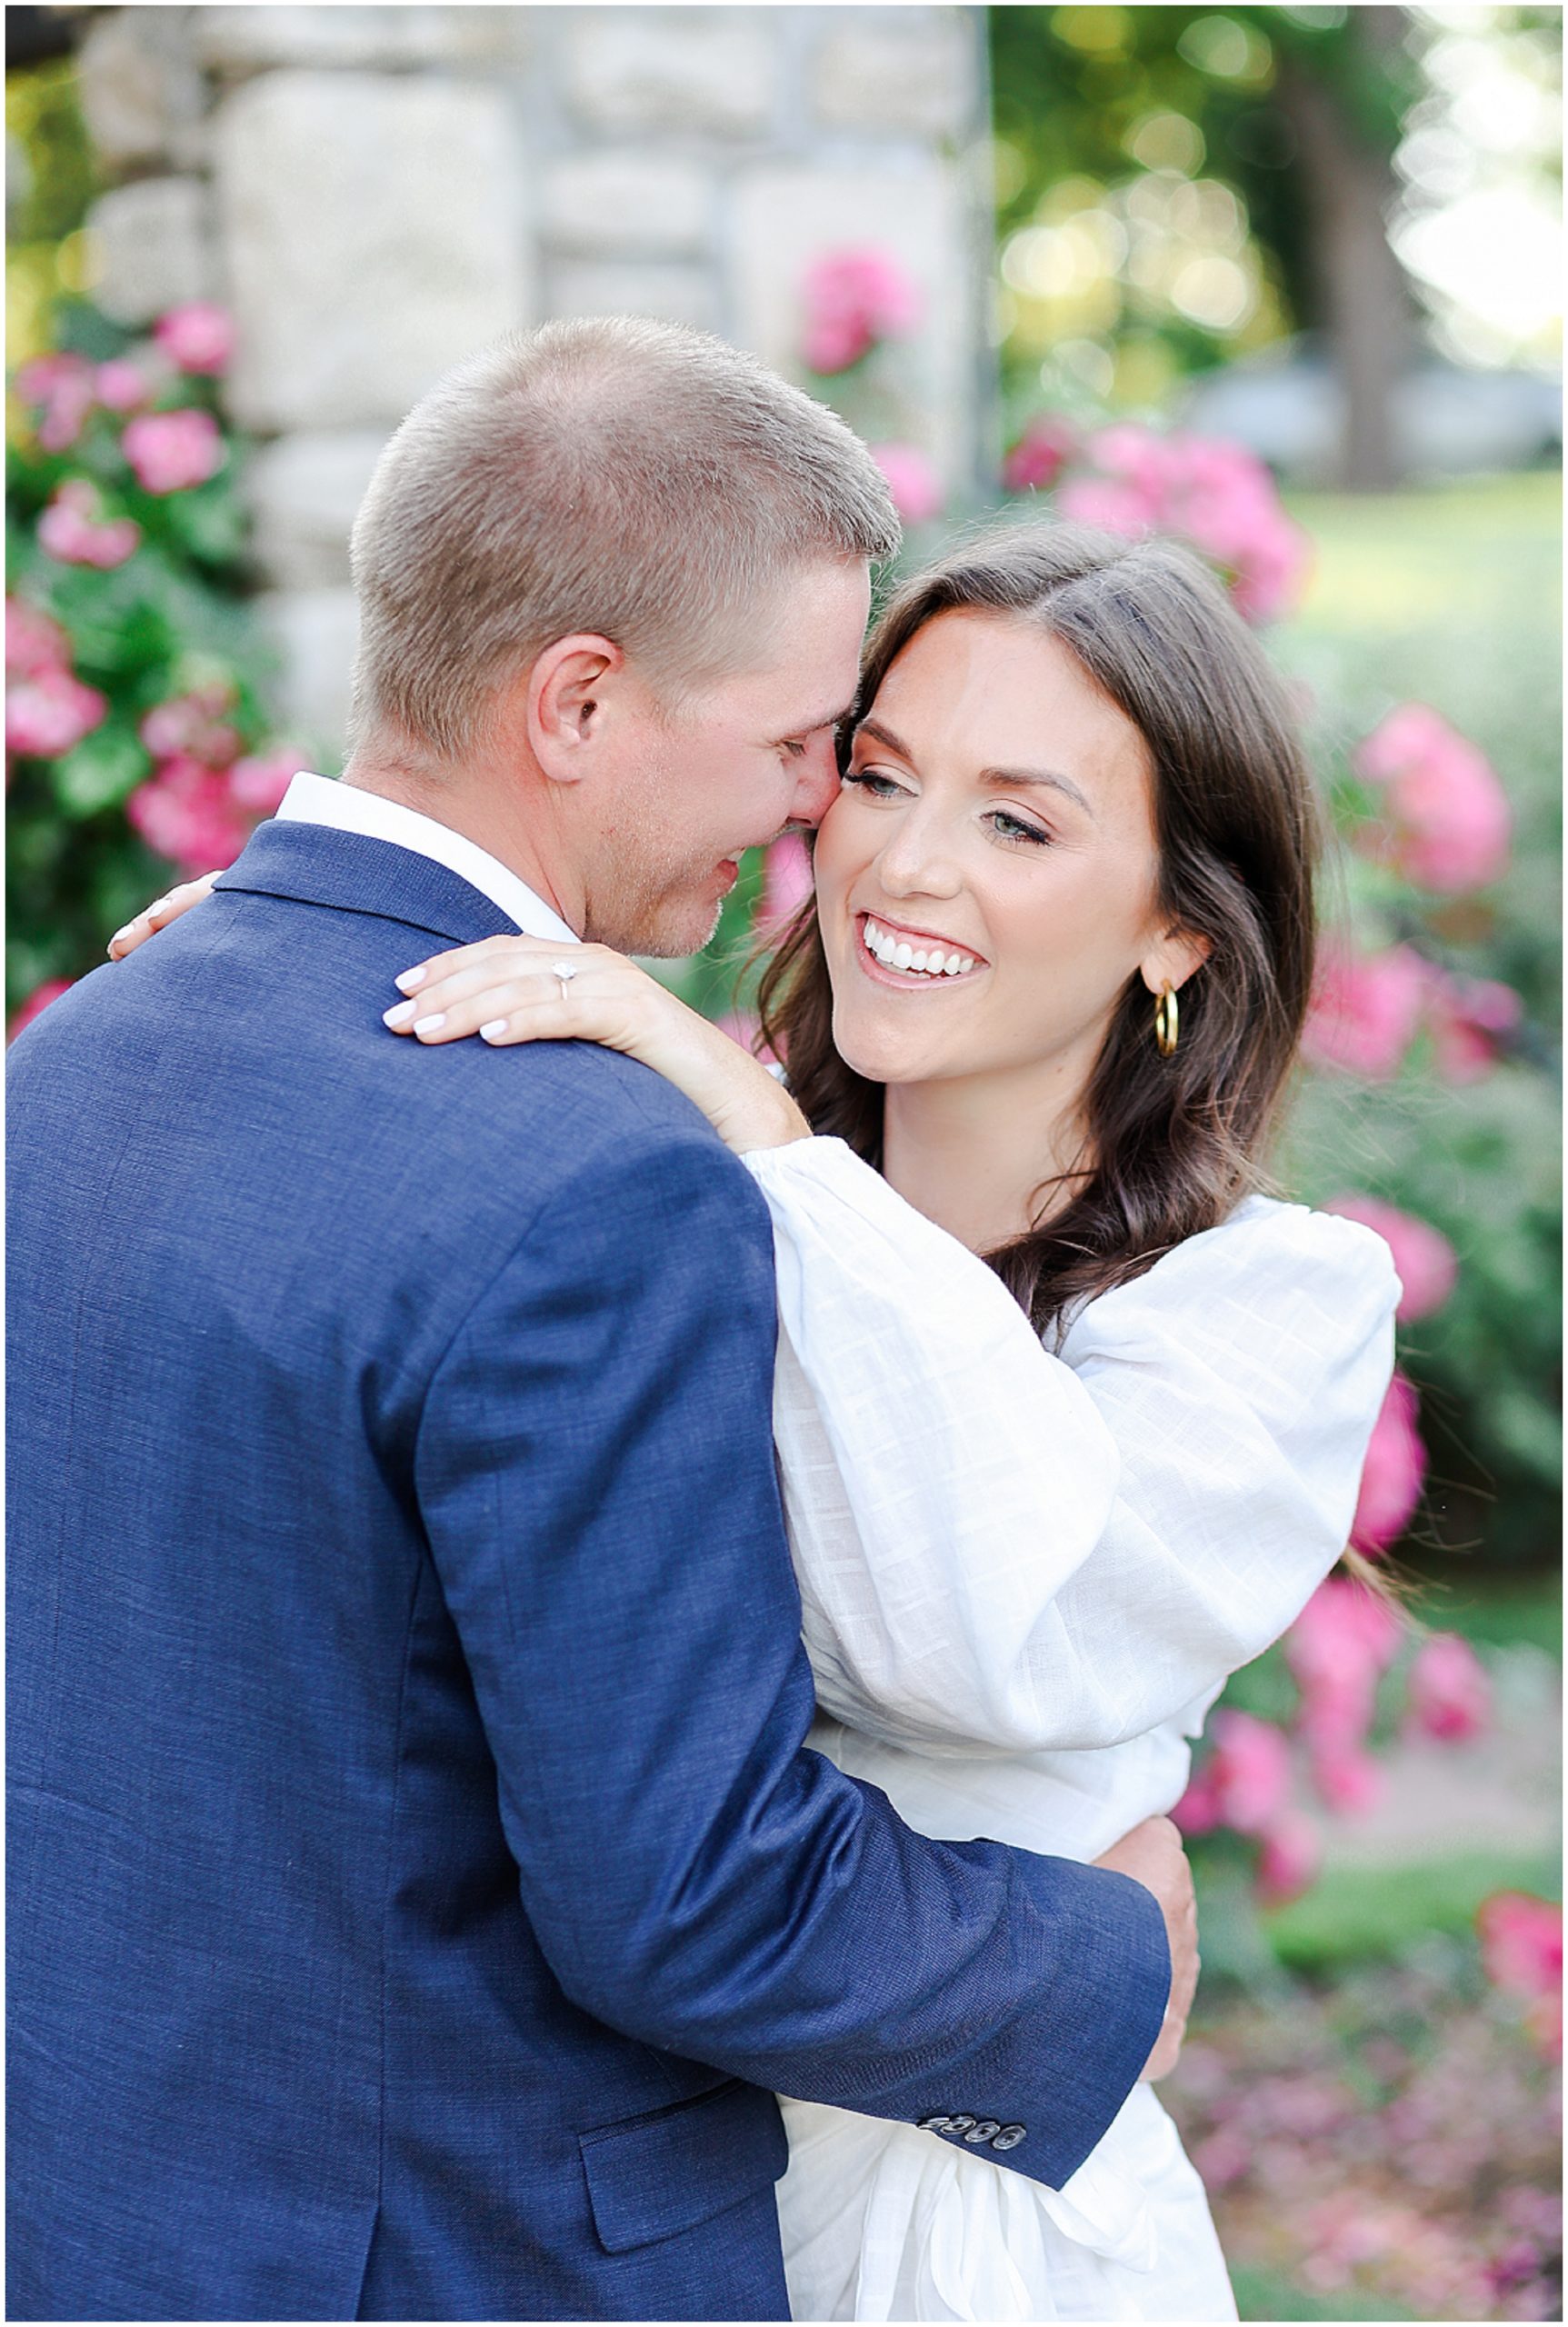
(566, 972)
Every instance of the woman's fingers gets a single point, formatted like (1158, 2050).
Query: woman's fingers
(519, 951)
(158, 915)
(471, 1002)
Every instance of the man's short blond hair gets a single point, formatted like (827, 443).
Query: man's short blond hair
(619, 477)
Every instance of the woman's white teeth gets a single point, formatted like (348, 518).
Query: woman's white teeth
(897, 953)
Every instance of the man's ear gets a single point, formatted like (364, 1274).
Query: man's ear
(1173, 960)
(565, 703)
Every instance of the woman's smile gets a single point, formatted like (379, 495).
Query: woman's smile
(891, 954)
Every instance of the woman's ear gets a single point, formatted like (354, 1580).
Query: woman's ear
(565, 703)
(1174, 959)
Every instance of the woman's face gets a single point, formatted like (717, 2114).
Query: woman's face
(996, 821)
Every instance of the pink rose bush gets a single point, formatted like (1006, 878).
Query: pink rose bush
(854, 300)
(912, 481)
(1445, 822)
(1449, 1691)
(203, 799)
(134, 714)
(171, 451)
(74, 530)
(1521, 1952)
(1424, 1261)
(197, 338)
(37, 1002)
(1390, 1480)
(1035, 462)
(1216, 495)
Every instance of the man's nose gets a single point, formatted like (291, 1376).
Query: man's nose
(816, 784)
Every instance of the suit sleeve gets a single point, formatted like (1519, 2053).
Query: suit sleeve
(596, 1473)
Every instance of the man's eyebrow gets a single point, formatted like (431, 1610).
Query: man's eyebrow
(1064, 784)
(830, 719)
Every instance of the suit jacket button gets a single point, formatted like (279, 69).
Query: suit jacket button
(933, 2124)
(959, 2124)
(983, 2129)
(1007, 2137)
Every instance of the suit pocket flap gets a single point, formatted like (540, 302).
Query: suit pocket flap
(651, 2176)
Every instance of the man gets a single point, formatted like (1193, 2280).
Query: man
(419, 1884)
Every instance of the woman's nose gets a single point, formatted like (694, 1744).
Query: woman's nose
(919, 860)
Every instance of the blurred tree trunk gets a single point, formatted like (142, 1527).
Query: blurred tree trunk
(1348, 182)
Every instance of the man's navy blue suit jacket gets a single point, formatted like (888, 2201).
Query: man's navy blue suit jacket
(419, 1885)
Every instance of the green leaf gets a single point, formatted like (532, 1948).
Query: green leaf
(99, 773)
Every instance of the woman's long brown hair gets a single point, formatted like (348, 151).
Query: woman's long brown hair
(1171, 1145)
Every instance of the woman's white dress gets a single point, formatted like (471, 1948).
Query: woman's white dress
(1025, 1576)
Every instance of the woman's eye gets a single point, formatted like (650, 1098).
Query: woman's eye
(1009, 827)
(873, 780)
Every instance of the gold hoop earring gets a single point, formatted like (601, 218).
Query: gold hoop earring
(1167, 1020)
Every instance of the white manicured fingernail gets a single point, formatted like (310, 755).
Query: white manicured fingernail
(410, 981)
(399, 1016)
(430, 1025)
(494, 1032)
(118, 938)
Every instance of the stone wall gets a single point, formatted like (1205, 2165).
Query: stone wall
(378, 191)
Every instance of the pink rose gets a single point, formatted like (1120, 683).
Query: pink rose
(122, 387)
(35, 645)
(1114, 507)
(1521, 1951)
(1347, 1779)
(854, 300)
(190, 726)
(1198, 1811)
(1471, 1020)
(170, 451)
(914, 485)
(1450, 1693)
(1396, 1467)
(259, 781)
(73, 528)
(37, 1002)
(1289, 1860)
(1249, 1770)
(1449, 822)
(59, 389)
(1424, 1261)
(786, 878)
(1366, 1009)
(1041, 454)
(1337, 1650)
(198, 338)
(188, 813)
(49, 714)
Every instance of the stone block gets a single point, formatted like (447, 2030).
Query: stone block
(910, 70)
(303, 494)
(374, 234)
(610, 203)
(670, 291)
(919, 210)
(315, 635)
(141, 92)
(152, 247)
(706, 70)
(239, 40)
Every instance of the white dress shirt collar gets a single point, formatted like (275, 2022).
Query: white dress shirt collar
(320, 800)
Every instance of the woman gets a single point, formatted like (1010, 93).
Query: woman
(1071, 1414)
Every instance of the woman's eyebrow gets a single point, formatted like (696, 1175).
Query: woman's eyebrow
(1064, 784)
